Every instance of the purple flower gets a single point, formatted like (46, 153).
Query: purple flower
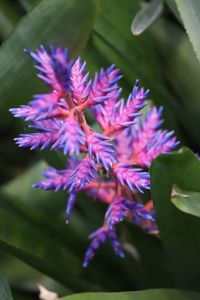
(98, 238)
(123, 145)
(107, 163)
(42, 107)
(103, 85)
(147, 141)
(143, 218)
(117, 211)
(85, 172)
(125, 114)
(104, 111)
(55, 179)
(70, 137)
(80, 86)
(36, 140)
(102, 149)
(134, 178)
(54, 67)
(103, 194)
(70, 205)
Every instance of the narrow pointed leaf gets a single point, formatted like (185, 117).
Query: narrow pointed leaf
(29, 4)
(27, 235)
(190, 15)
(146, 16)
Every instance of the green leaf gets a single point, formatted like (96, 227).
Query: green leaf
(190, 14)
(161, 294)
(177, 57)
(51, 22)
(31, 237)
(117, 35)
(29, 4)
(146, 16)
(36, 209)
(27, 232)
(179, 231)
(5, 293)
(27, 213)
(113, 42)
(187, 201)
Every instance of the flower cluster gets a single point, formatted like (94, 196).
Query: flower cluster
(111, 164)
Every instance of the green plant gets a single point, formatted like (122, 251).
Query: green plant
(32, 229)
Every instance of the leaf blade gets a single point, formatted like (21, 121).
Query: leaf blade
(146, 16)
(190, 14)
(16, 72)
(187, 201)
(179, 231)
(162, 294)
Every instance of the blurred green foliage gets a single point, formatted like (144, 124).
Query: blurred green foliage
(32, 228)
(161, 294)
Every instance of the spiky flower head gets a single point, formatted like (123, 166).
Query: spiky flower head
(107, 165)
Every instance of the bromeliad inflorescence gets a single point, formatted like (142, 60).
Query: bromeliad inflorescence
(107, 165)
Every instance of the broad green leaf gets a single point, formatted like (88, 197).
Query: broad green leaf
(187, 201)
(29, 236)
(5, 293)
(50, 22)
(29, 4)
(190, 15)
(146, 16)
(161, 294)
(179, 231)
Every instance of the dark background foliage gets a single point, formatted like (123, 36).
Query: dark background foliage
(35, 244)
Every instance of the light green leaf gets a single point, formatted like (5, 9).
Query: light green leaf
(187, 201)
(29, 4)
(5, 293)
(179, 231)
(190, 14)
(146, 16)
(162, 294)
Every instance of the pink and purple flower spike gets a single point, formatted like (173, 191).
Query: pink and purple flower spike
(110, 166)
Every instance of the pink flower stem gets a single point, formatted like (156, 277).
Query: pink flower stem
(105, 185)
